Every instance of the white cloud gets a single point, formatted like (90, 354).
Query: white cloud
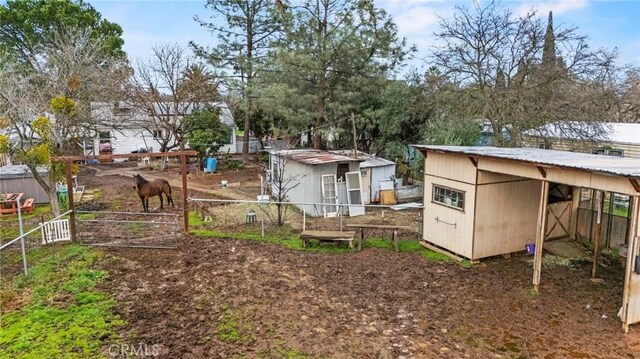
(417, 20)
(557, 6)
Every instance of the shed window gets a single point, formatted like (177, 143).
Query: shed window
(609, 152)
(448, 197)
(343, 168)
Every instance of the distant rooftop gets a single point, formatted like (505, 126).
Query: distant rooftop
(625, 167)
(315, 157)
(610, 132)
(369, 160)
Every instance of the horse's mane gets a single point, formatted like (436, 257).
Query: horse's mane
(140, 180)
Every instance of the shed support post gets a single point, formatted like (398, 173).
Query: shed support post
(68, 165)
(598, 233)
(185, 202)
(541, 231)
(632, 242)
(575, 204)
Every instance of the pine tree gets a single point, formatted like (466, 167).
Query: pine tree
(549, 47)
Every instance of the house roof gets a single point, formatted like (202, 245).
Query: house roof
(609, 132)
(314, 157)
(369, 160)
(624, 167)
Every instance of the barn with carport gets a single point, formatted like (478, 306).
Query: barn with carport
(486, 201)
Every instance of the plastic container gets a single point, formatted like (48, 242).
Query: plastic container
(223, 184)
(212, 165)
(530, 248)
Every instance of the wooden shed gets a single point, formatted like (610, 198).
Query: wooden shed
(485, 201)
(314, 176)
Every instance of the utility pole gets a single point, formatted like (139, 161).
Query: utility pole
(355, 141)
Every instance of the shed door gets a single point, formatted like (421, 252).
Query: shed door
(366, 185)
(354, 194)
(329, 196)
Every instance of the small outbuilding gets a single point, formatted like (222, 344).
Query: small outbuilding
(18, 179)
(374, 170)
(317, 181)
(486, 201)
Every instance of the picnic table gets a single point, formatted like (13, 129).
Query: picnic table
(9, 203)
(393, 228)
(328, 236)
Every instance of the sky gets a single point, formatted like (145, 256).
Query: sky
(608, 23)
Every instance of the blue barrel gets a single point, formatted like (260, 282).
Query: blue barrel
(212, 165)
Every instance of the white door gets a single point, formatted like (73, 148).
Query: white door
(329, 195)
(366, 185)
(354, 194)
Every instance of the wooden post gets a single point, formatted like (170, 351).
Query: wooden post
(575, 204)
(72, 217)
(632, 242)
(541, 233)
(185, 202)
(598, 233)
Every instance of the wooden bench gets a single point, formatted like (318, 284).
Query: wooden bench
(28, 205)
(393, 228)
(327, 236)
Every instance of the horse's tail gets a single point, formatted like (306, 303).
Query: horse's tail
(169, 198)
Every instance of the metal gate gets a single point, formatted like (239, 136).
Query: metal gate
(127, 229)
(55, 231)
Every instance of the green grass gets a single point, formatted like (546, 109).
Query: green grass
(230, 330)
(64, 315)
(286, 238)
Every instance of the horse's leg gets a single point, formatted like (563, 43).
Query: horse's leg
(144, 208)
(169, 198)
(146, 204)
(161, 200)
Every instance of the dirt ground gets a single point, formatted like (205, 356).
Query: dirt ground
(221, 298)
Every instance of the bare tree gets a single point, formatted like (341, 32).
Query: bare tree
(282, 182)
(512, 73)
(45, 109)
(166, 87)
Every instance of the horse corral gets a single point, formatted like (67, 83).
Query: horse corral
(230, 289)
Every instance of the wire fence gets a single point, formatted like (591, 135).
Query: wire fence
(264, 219)
(127, 229)
(22, 250)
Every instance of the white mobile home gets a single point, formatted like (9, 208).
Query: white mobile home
(128, 128)
(608, 138)
(314, 176)
(485, 201)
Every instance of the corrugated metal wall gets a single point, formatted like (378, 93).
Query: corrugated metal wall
(26, 185)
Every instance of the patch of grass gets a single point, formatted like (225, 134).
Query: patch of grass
(284, 237)
(194, 220)
(466, 264)
(65, 317)
(86, 216)
(230, 330)
(406, 246)
(533, 293)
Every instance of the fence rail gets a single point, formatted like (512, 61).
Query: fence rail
(22, 237)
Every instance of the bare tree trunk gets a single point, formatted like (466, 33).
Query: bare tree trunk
(317, 139)
(50, 189)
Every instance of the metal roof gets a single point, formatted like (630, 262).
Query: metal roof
(19, 171)
(619, 166)
(315, 157)
(601, 131)
(369, 160)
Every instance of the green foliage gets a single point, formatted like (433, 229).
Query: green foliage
(346, 47)
(204, 131)
(61, 105)
(25, 25)
(66, 317)
(5, 146)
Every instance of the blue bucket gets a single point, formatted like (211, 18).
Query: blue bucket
(530, 248)
(212, 165)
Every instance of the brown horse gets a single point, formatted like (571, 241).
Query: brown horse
(153, 188)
